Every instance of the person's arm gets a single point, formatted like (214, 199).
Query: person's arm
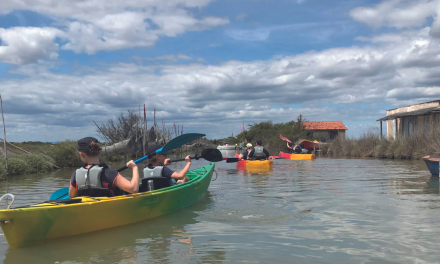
(126, 185)
(72, 186)
(251, 154)
(182, 174)
(267, 153)
(288, 145)
(72, 192)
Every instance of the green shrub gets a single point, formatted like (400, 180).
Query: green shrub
(17, 166)
(36, 163)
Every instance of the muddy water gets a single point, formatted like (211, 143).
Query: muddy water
(321, 211)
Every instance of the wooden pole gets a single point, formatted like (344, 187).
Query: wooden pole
(381, 129)
(145, 130)
(4, 133)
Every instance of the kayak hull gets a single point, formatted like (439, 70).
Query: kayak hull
(254, 163)
(433, 164)
(297, 156)
(24, 226)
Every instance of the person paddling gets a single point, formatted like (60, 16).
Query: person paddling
(295, 149)
(259, 153)
(157, 167)
(245, 153)
(96, 175)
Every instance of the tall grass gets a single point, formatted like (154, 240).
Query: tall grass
(63, 154)
(370, 145)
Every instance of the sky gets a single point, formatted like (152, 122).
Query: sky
(212, 65)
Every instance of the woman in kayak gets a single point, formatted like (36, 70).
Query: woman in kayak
(157, 166)
(244, 155)
(96, 175)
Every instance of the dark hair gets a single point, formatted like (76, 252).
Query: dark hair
(94, 149)
(152, 158)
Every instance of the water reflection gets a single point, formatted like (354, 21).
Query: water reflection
(417, 185)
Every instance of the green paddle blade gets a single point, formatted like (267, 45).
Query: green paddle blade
(212, 155)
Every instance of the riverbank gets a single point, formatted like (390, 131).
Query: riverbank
(43, 158)
(370, 145)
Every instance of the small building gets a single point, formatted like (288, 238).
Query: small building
(325, 131)
(408, 120)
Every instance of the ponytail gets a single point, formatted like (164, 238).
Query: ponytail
(94, 149)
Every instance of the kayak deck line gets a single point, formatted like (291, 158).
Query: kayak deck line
(48, 220)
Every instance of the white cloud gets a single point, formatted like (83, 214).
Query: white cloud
(22, 45)
(94, 25)
(396, 13)
(207, 96)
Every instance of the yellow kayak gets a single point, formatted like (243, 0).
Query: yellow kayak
(61, 218)
(296, 156)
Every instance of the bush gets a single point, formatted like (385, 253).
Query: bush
(269, 133)
(65, 154)
(17, 166)
(35, 163)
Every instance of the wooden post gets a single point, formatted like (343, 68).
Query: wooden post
(145, 130)
(380, 129)
(4, 133)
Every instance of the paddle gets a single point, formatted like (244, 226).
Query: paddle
(232, 160)
(208, 154)
(172, 144)
(60, 194)
(285, 139)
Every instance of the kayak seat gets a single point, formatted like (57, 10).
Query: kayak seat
(158, 183)
(95, 192)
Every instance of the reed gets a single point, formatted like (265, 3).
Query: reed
(370, 145)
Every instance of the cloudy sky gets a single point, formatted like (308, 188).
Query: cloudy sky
(212, 65)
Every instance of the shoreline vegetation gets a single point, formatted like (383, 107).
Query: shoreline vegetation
(64, 154)
(128, 127)
(371, 145)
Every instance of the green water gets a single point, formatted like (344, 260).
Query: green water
(321, 211)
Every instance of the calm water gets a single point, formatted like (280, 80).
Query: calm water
(321, 211)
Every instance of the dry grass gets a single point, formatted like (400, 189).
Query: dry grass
(370, 145)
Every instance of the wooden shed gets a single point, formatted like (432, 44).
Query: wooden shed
(408, 120)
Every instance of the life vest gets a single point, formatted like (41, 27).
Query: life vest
(89, 178)
(259, 153)
(156, 172)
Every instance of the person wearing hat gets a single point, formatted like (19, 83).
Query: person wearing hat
(157, 166)
(244, 155)
(96, 175)
(259, 153)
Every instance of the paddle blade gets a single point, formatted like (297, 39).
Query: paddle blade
(285, 139)
(212, 155)
(231, 160)
(181, 140)
(60, 194)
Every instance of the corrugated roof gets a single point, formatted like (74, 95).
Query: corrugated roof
(426, 111)
(324, 125)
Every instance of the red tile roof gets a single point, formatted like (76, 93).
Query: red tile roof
(324, 126)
